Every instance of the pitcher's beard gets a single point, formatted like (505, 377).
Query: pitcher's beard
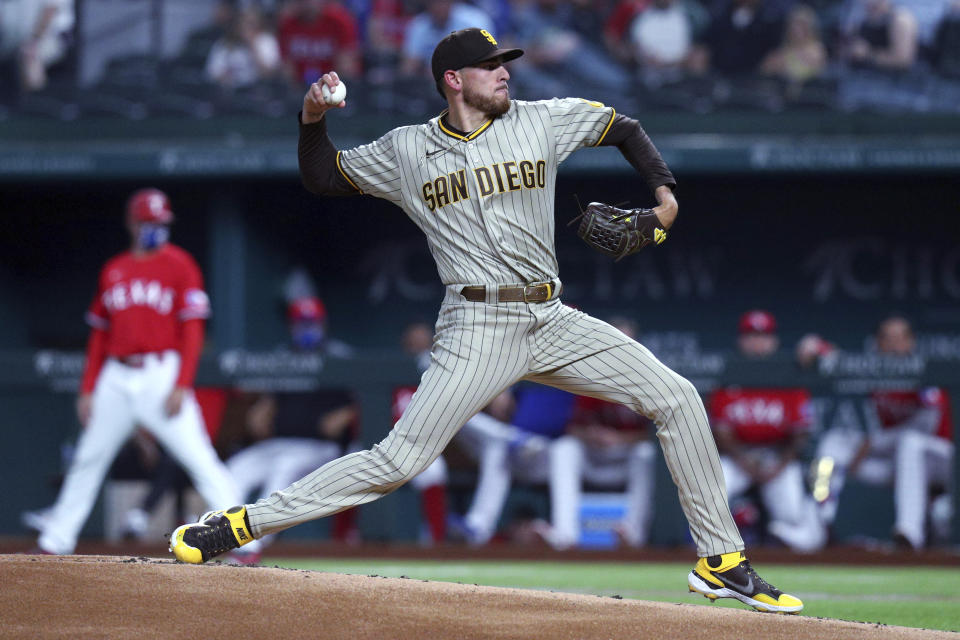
(492, 106)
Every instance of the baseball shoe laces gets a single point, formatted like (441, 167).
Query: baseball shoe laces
(217, 533)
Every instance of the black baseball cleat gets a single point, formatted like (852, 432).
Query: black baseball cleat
(215, 534)
(731, 576)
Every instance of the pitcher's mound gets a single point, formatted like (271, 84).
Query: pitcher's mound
(118, 597)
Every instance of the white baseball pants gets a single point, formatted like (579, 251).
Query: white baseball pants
(124, 398)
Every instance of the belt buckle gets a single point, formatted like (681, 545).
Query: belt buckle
(527, 291)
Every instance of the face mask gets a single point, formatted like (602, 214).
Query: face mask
(307, 337)
(152, 236)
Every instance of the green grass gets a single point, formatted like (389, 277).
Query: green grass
(924, 597)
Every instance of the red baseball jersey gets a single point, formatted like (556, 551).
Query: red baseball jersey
(312, 47)
(761, 416)
(896, 407)
(141, 302)
(588, 411)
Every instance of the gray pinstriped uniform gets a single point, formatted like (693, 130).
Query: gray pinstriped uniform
(485, 201)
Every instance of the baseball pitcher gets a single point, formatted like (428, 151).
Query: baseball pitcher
(479, 180)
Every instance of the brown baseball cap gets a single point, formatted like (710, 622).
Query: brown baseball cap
(467, 47)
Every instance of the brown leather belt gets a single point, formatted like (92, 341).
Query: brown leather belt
(539, 292)
(136, 360)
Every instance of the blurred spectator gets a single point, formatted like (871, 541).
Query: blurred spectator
(307, 317)
(801, 55)
(884, 37)
(426, 29)
(616, 29)
(760, 433)
(662, 38)
(910, 446)
(588, 18)
(757, 334)
(606, 445)
(555, 52)
(946, 42)
(740, 36)
(200, 41)
(246, 54)
(35, 37)
(317, 36)
(811, 348)
(417, 341)
(383, 23)
(499, 11)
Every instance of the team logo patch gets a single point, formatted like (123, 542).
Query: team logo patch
(196, 299)
(659, 235)
(490, 38)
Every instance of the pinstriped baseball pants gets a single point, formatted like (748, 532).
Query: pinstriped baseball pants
(479, 350)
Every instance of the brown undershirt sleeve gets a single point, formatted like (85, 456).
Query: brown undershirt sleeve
(629, 137)
(318, 162)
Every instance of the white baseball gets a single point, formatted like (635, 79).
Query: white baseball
(339, 93)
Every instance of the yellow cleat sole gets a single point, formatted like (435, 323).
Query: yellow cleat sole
(181, 550)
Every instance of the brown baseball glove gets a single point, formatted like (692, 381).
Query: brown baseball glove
(619, 232)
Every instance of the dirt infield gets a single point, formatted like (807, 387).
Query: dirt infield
(133, 597)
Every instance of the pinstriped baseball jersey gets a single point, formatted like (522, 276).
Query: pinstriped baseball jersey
(485, 200)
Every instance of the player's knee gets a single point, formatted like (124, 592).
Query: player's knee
(688, 390)
(435, 474)
(403, 473)
(684, 396)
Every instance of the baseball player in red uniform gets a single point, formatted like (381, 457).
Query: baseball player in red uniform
(146, 334)
(760, 432)
(910, 446)
(479, 181)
